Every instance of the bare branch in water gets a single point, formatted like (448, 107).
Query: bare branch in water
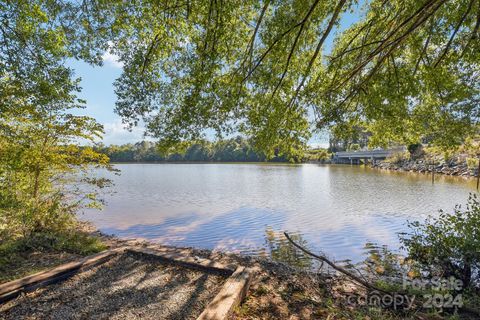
(334, 266)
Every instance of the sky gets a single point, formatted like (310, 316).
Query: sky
(98, 91)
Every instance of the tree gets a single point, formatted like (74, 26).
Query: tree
(43, 171)
(235, 66)
(408, 70)
(36, 38)
(227, 150)
(198, 152)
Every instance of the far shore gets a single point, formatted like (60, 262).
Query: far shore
(380, 165)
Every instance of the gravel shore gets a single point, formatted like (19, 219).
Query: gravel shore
(129, 286)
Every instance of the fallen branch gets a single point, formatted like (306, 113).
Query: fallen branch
(338, 268)
(367, 285)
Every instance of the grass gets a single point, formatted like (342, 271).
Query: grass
(40, 251)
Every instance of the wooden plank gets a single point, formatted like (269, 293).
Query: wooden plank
(174, 256)
(230, 296)
(11, 289)
(12, 294)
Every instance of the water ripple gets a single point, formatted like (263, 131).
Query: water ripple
(246, 207)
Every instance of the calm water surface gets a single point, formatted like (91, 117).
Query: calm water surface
(245, 208)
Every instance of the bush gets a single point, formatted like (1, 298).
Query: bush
(321, 155)
(470, 147)
(324, 155)
(448, 245)
(416, 151)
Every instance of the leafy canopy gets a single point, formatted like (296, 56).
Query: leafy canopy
(408, 70)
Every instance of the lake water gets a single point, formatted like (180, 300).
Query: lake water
(245, 208)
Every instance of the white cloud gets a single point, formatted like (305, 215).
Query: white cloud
(116, 133)
(112, 60)
(323, 145)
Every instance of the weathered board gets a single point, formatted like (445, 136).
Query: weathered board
(231, 293)
(230, 296)
(12, 289)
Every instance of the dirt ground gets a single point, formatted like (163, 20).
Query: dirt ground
(129, 286)
(277, 292)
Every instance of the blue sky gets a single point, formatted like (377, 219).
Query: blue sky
(98, 91)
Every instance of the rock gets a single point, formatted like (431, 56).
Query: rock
(456, 166)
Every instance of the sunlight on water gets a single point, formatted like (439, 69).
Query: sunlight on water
(245, 208)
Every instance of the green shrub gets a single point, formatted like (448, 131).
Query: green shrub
(413, 147)
(470, 147)
(321, 155)
(448, 245)
(416, 150)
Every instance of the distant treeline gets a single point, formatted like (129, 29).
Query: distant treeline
(229, 150)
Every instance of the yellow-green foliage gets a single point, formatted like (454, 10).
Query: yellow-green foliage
(434, 152)
(354, 147)
(317, 155)
(471, 147)
(472, 163)
(44, 173)
(447, 243)
(42, 170)
(398, 157)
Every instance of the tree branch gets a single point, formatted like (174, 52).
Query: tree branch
(280, 37)
(450, 41)
(331, 23)
(335, 267)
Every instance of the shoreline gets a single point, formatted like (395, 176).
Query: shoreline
(277, 290)
(445, 169)
(408, 167)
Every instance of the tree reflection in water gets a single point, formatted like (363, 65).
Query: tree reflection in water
(281, 250)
